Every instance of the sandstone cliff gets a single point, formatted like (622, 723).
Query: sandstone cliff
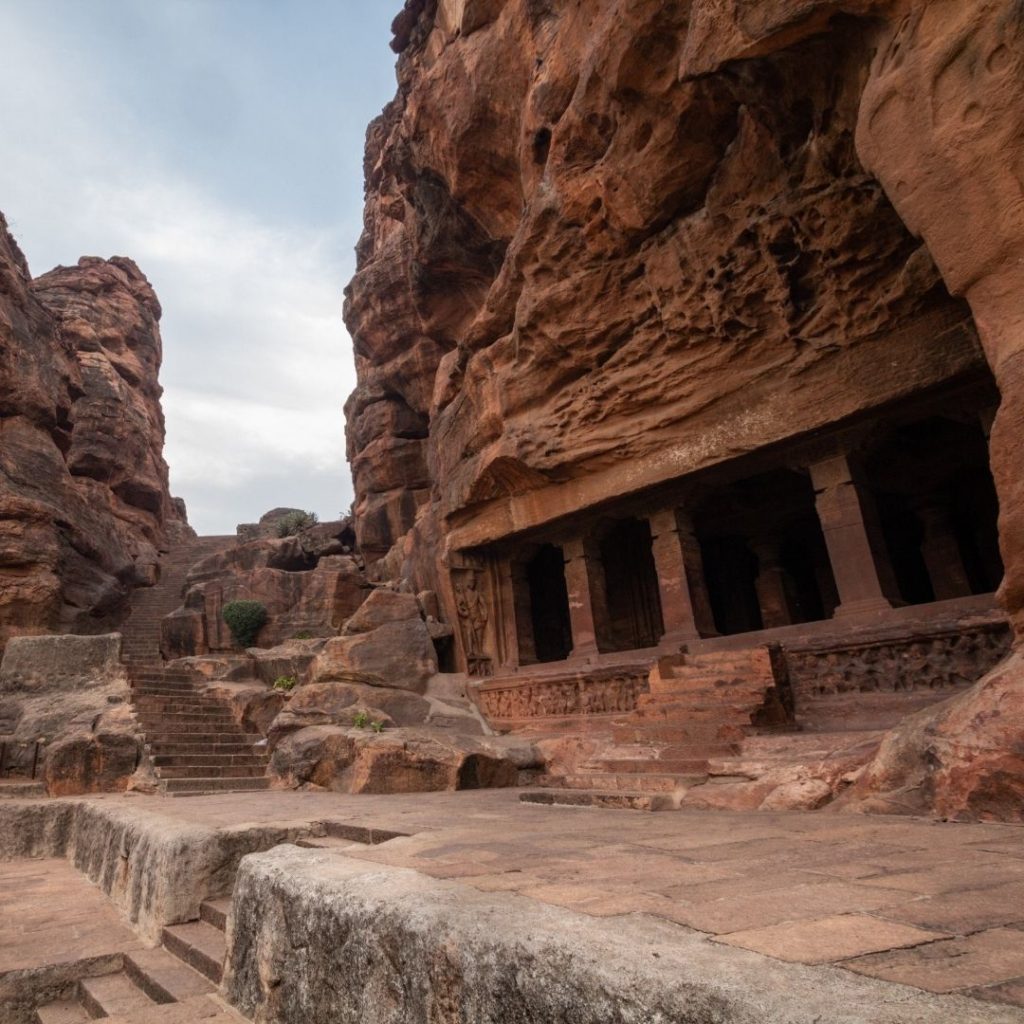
(84, 501)
(588, 255)
(611, 244)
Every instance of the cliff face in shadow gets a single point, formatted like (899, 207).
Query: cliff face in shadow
(84, 501)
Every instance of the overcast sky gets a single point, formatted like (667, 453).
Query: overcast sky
(219, 144)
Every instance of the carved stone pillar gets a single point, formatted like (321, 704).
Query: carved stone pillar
(677, 561)
(843, 522)
(941, 554)
(693, 559)
(584, 582)
(771, 586)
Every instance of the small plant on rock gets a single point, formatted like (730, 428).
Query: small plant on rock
(245, 619)
(377, 726)
(286, 683)
(360, 719)
(303, 634)
(294, 522)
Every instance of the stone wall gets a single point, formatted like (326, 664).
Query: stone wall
(411, 948)
(84, 501)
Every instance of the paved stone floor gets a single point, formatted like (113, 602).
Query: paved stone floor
(933, 905)
(52, 914)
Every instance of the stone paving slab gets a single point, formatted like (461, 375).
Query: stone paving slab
(938, 906)
(51, 914)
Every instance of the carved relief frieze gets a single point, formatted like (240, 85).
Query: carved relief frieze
(940, 661)
(557, 698)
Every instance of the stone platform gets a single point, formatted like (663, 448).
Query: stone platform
(739, 916)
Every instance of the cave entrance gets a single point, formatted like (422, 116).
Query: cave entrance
(764, 556)
(937, 508)
(631, 616)
(551, 629)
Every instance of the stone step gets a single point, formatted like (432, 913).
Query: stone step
(172, 718)
(599, 798)
(324, 843)
(215, 912)
(194, 759)
(184, 704)
(220, 737)
(164, 977)
(185, 787)
(63, 1011)
(679, 734)
(199, 945)
(169, 694)
(361, 833)
(168, 686)
(675, 766)
(205, 771)
(112, 995)
(20, 789)
(614, 782)
(229, 747)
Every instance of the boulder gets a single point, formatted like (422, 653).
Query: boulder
(396, 654)
(326, 704)
(382, 606)
(398, 761)
(962, 759)
(94, 754)
(70, 694)
(61, 663)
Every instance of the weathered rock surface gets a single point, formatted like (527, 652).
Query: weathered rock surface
(71, 694)
(357, 760)
(961, 759)
(609, 245)
(309, 583)
(385, 643)
(576, 252)
(453, 953)
(84, 501)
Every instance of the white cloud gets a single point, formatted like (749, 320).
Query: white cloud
(257, 362)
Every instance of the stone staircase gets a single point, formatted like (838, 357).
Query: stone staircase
(174, 984)
(195, 744)
(699, 707)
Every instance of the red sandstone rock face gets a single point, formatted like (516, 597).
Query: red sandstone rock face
(611, 244)
(309, 583)
(961, 759)
(84, 503)
(575, 259)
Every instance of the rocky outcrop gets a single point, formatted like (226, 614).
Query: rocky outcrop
(577, 251)
(609, 245)
(64, 707)
(84, 501)
(309, 583)
(962, 759)
(357, 760)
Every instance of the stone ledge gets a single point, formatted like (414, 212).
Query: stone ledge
(319, 937)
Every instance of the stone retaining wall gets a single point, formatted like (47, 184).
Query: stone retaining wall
(317, 937)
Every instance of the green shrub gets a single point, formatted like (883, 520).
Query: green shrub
(244, 619)
(291, 523)
(377, 726)
(360, 719)
(286, 683)
(303, 634)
